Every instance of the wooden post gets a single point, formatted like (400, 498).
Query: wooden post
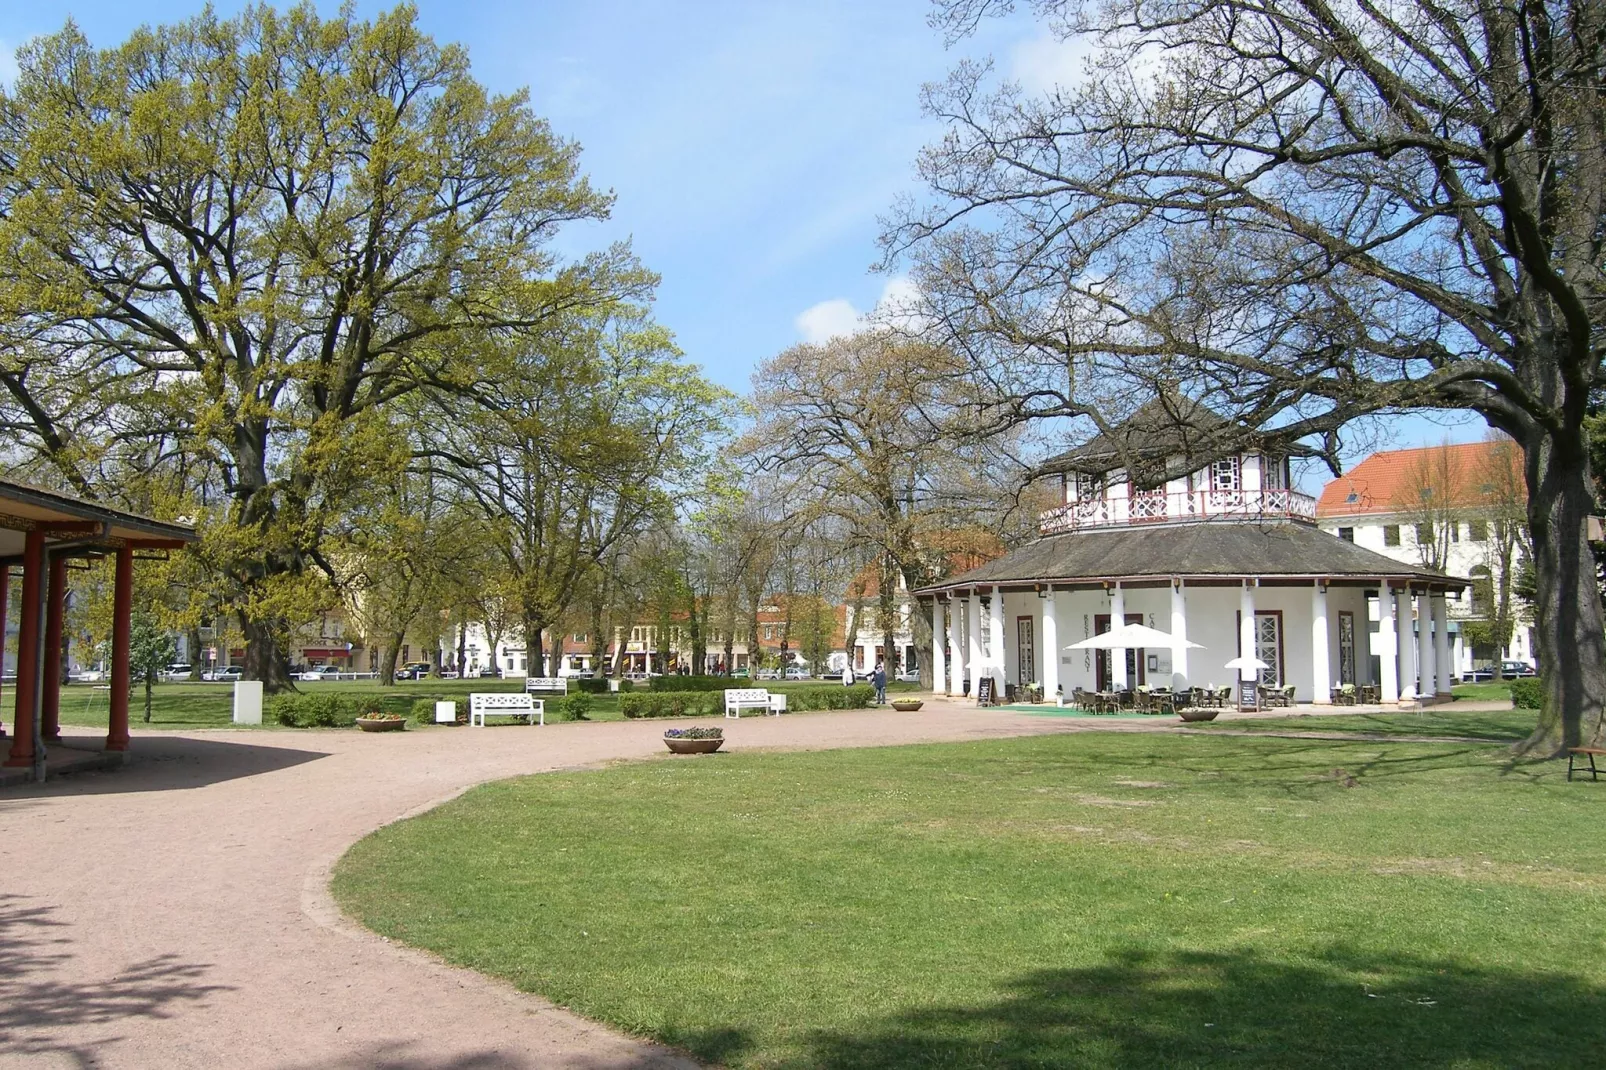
(33, 556)
(50, 676)
(5, 605)
(122, 613)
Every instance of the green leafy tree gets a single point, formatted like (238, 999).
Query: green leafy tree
(150, 651)
(252, 235)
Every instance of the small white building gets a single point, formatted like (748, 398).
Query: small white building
(1228, 556)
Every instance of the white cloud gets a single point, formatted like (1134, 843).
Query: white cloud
(8, 64)
(1046, 63)
(898, 307)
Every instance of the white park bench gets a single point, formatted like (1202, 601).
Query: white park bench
(504, 704)
(738, 699)
(557, 685)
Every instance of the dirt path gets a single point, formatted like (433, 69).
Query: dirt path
(174, 913)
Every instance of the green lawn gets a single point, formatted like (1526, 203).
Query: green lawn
(1490, 692)
(1088, 900)
(1498, 726)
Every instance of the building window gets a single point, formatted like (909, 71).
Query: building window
(1088, 487)
(1347, 534)
(1391, 534)
(1224, 474)
(1424, 535)
(1455, 531)
(1477, 531)
(1272, 475)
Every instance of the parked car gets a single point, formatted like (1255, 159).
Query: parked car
(229, 673)
(912, 676)
(414, 670)
(1483, 674)
(1516, 668)
(90, 676)
(767, 674)
(313, 673)
(176, 671)
(797, 672)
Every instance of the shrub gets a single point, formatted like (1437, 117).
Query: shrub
(587, 686)
(1526, 694)
(424, 711)
(671, 704)
(317, 711)
(689, 683)
(802, 698)
(573, 708)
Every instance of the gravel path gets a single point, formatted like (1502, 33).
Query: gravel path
(174, 913)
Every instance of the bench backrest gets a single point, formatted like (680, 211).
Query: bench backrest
(547, 683)
(500, 700)
(746, 694)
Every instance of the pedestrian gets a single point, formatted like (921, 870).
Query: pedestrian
(880, 681)
(847, 675)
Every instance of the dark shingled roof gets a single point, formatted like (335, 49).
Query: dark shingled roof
(1165, 426)
(1226, 549)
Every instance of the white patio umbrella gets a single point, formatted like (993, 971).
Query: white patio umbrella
(1134, 637)
(1241, 662)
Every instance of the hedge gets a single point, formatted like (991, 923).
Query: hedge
(334, 711)
(692, 683)
(799, 699)
(1526, 694)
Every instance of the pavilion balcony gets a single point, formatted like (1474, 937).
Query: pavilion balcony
(1159, 507)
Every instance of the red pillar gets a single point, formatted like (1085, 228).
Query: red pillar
(122, 612)
(50, 678)
(5, 605)
(33, 556)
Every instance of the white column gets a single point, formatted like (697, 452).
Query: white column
(997, 644)
(1051, 647)
(1321, 671)
(1407, 646)
(1118, 657)
(1424, 647)
(1387, 646)
(956, 660)
(1179, 631)
(1246, 629)
(1441, 644)
(973, 660)
(939, 644)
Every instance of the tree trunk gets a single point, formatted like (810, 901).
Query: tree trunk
(263, 659)
(193, 637)
(534, 648)
(387, 664)
(1567, 611)
(147, 698)
(462, 649)
(599, 645)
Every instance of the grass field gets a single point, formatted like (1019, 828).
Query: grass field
(1503, 726)
(1089, 900)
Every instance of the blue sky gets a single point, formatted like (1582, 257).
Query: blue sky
(751, 145)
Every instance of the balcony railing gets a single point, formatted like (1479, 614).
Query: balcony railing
(1158, 506)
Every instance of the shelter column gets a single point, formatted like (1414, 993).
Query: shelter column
(1118, 678)
(50, 677)
(1441, 645)
(1424, 647)
(5, 604)
(973, 640)
(1179, 632)
(956, 664)
(33, 554)
(1246, 629)
(122, 614)
(1051, 647)
(1387, 646)
(1406, 645)
(997, 645)
(1321, 671)
(939, 641)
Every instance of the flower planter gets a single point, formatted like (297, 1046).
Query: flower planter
(1196, 713)
(906, 705)
(375, 724)
(693, 746)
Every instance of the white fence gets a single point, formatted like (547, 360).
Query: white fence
(1157, 506)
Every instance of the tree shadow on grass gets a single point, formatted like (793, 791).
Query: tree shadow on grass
(39, 1006)
(1243, 1009)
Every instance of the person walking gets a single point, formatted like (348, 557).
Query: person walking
(880, 681)
(847, 675)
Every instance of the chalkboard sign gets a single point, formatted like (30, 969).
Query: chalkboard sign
(1249, 694)
(984, 691)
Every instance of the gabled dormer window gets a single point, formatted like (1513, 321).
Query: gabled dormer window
(1273, 472)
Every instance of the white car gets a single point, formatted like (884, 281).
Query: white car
(90, 676)
(909, 677)
(797, 673)
(767, 674)
(316, 673)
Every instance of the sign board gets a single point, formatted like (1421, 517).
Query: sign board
(984, 691)
(248, 702)
(1249, 694)
(446, 712)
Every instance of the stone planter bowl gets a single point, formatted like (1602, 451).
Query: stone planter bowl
(1194, 713)
(906, 705)
(373, 724)
(693, 746)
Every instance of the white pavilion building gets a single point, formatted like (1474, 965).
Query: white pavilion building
(1228, 557)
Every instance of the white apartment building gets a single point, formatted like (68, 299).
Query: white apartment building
(1430, 505)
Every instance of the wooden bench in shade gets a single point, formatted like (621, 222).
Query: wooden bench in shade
(1574, 753)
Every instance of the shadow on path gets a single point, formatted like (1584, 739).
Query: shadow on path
(402, 1057)
(36, 1005)
(1237, 1009)
(166, 763)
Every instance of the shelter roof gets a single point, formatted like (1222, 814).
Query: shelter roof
(1225, 550)
(1167, 425)
(25, 508)
(1387, 481)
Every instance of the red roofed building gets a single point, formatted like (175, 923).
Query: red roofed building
(1440, 507)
